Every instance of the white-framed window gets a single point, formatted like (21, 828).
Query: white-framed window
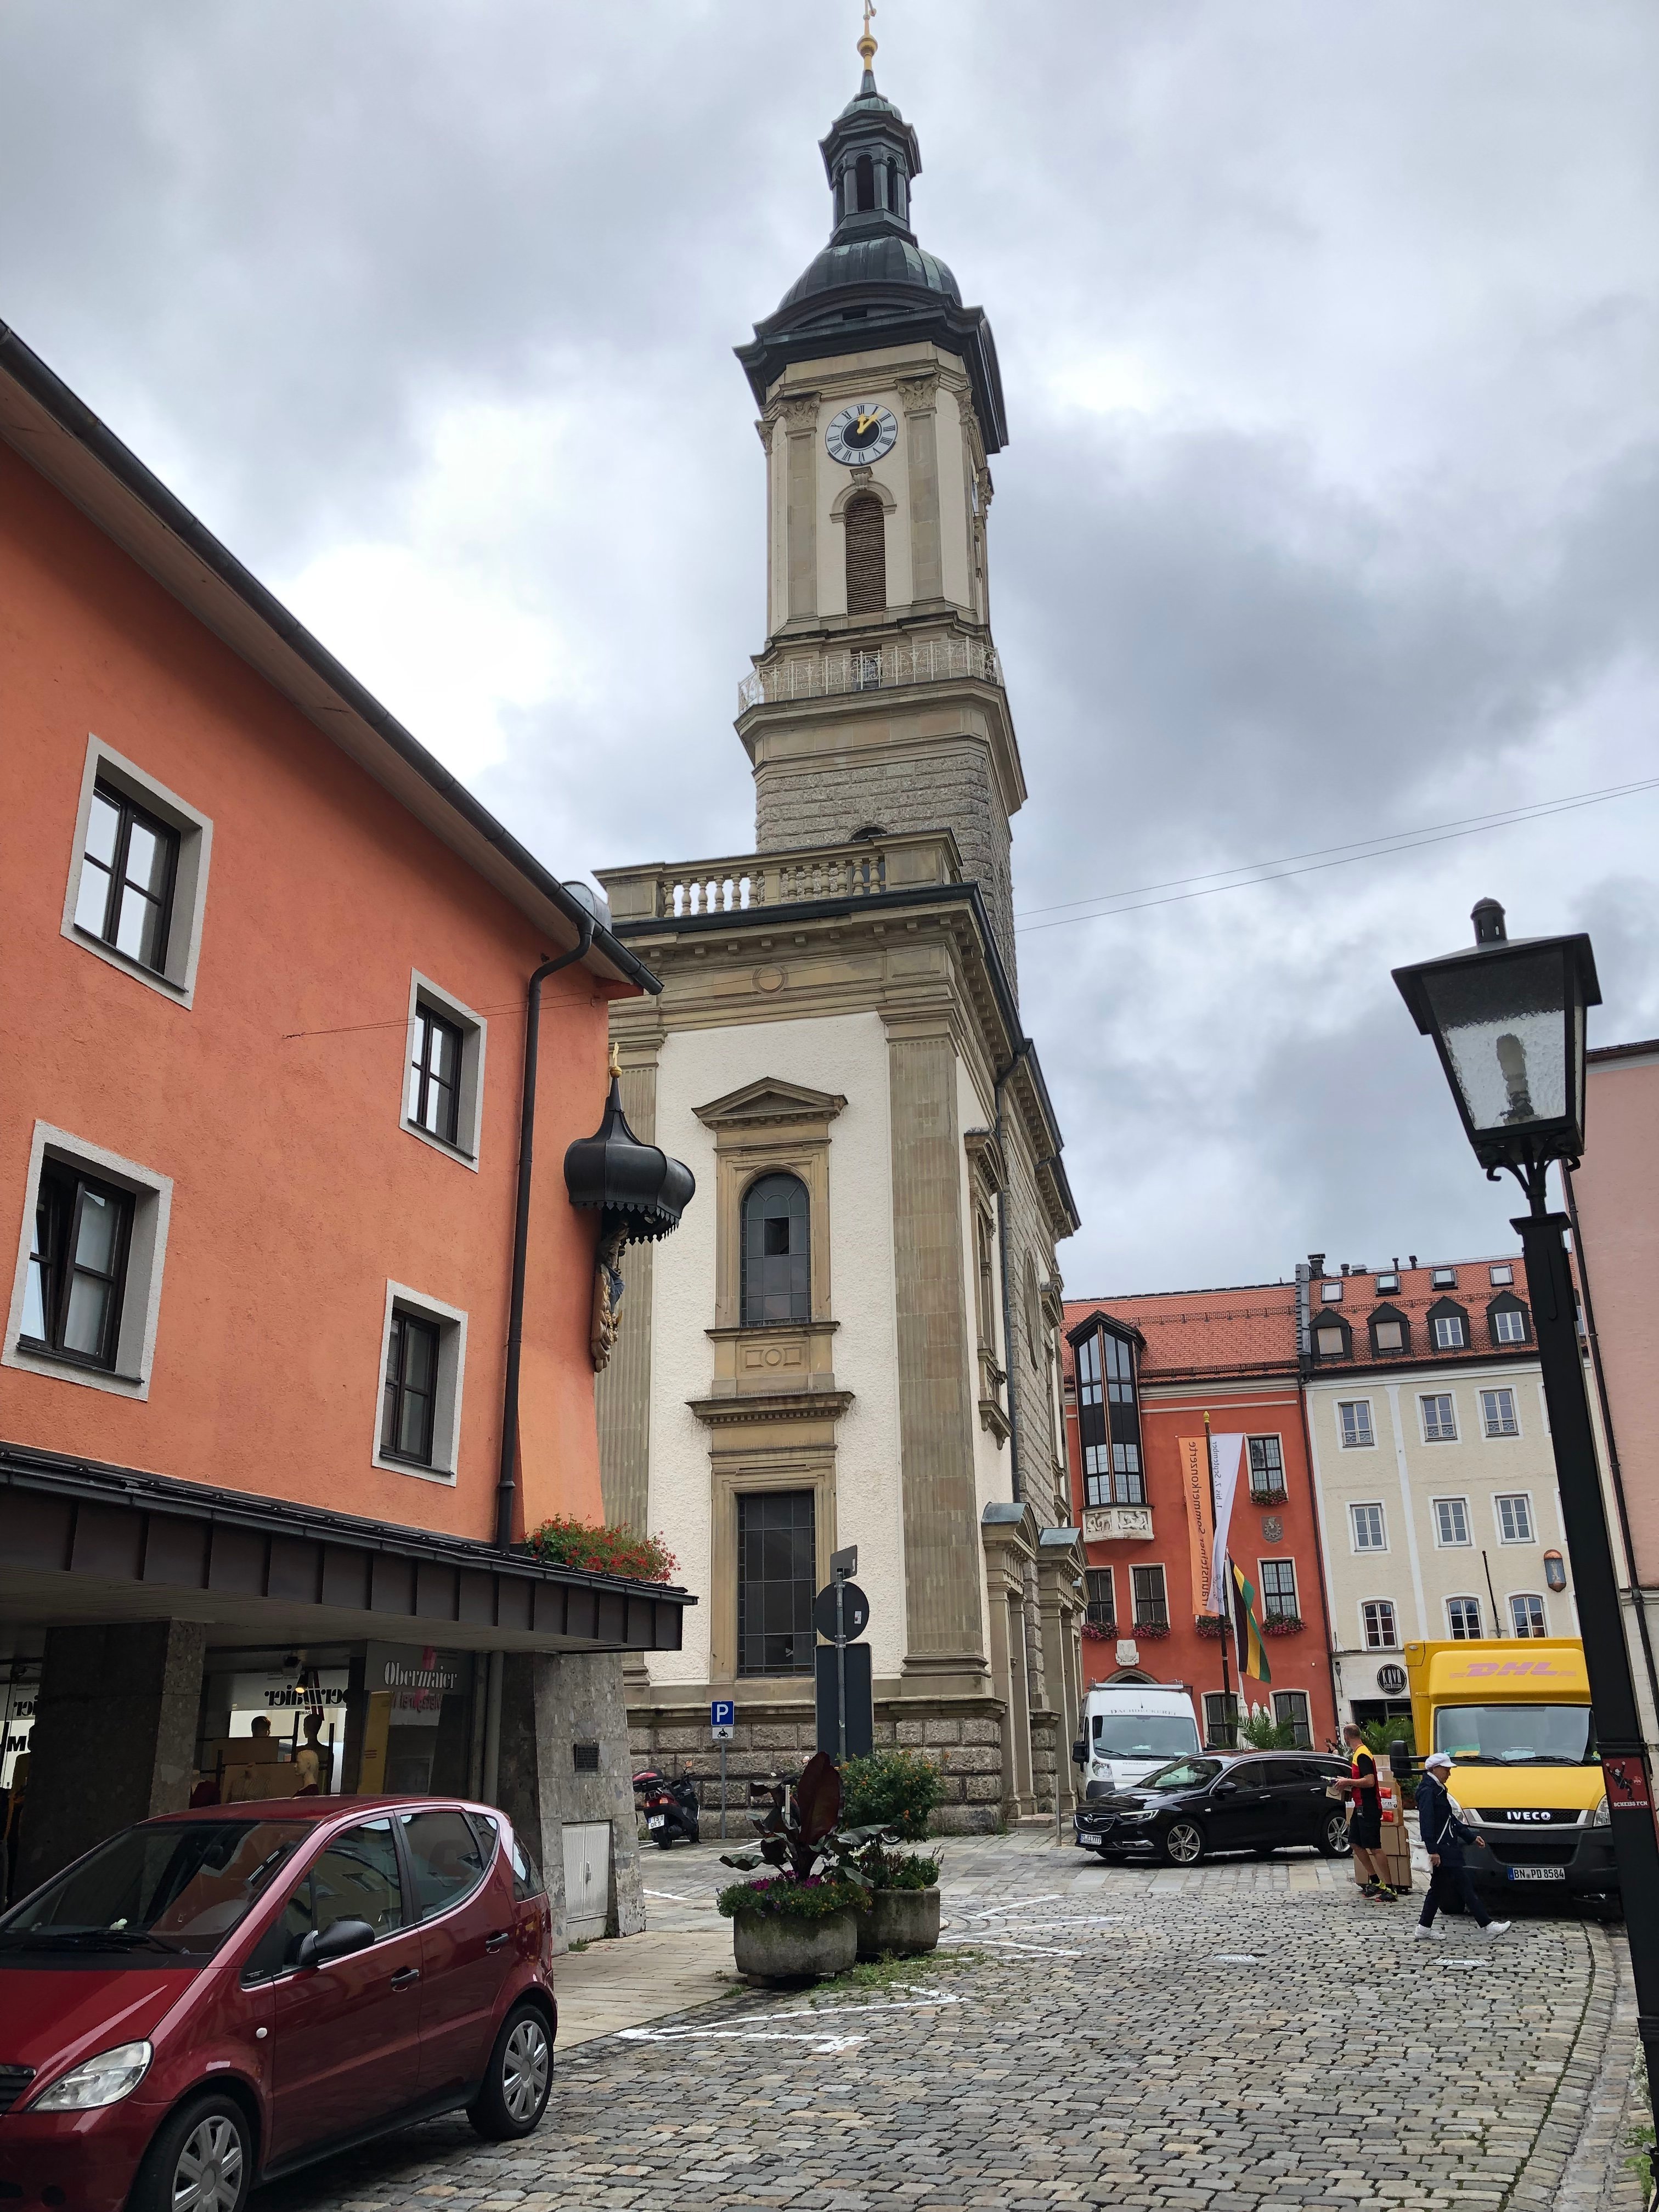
(1498, 1413)
(1220, 1721)
(1526, 1615)
(443, 1071)
(1278, 1587)
(1292, 1705)
(1369, 1531)
(1378, 1622)
(138, 875)
(1388, 1286)
(1451, 1521)
(1501, 1276)
(1150, 1597)
(1463, 1618)
(1450, 1333)
(1266, 1466)
(1353, 1416)
(1442, 1278)
(87, 1293)
(1331, 1293)
(417, 1410)
(1102, 1609)
(1439, 1417)
(1514, 1518)
(1509, 1325)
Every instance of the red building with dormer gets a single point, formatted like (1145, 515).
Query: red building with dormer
(1141, 1374)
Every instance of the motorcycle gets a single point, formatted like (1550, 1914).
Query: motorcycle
(669, 1803)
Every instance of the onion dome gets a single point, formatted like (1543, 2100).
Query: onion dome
(873, 285)
(642, 1191)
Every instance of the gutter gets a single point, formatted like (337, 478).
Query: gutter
(508, 1481)
(76, 420)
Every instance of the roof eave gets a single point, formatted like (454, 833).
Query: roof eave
(58, 435)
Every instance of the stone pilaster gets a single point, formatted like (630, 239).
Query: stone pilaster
(549, 1706)
(919, 397)
(800, 416)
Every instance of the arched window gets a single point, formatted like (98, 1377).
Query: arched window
(867, 177)
(777, 1283)
(866, 555)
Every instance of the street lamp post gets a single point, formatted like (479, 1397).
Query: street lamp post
(1508, 1020)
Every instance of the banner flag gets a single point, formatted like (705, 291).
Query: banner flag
(1225, 1455)
(1252, 1651)
(1195, 1488)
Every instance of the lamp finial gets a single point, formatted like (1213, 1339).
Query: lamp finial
(867, 43)
(1488, 919)
(613, 1066)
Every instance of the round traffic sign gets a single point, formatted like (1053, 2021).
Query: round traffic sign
(855, 1612)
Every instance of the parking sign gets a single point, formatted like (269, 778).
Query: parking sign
(722, 1719)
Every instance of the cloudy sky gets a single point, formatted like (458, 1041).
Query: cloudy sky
(1330, 512)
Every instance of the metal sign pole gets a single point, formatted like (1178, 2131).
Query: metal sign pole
(722, 1789)
(841, 1668)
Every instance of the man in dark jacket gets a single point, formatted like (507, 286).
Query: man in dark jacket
(1443, 1838)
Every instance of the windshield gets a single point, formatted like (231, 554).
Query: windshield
(175, 1889)
(1185, 1774)
(1144, 1735)
(1516, 1735)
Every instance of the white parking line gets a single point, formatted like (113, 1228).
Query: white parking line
(824, 2039)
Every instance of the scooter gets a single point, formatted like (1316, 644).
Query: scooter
(671, 1807)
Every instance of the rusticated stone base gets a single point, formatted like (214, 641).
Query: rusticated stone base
(964, 1737)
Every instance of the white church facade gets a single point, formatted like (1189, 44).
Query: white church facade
(853, 1338)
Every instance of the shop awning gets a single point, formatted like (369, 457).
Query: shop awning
(82, 1541)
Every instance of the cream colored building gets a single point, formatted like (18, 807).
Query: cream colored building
(1431, 1458)
(853, 1338)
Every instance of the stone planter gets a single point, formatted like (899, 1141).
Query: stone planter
(905, 1921)
(770, 1946)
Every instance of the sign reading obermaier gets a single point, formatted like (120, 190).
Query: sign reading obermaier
(1209, 1491)
(417, 1678)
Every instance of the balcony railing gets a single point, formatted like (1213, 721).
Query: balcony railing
(869, 668)
(740, 882)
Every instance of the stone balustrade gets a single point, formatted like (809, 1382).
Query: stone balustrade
(739, 884)
(826, 673)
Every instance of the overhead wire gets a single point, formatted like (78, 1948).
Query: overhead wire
(1315, 862)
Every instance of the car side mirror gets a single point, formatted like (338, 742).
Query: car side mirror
(320, 1945)
(1226, 1789)
(1080, 1753)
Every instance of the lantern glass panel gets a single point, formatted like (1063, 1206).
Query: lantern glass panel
(1504, 1025)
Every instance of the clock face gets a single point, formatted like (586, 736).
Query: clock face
(862, 432)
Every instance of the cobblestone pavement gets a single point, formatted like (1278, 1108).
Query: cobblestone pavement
(1241, 2037)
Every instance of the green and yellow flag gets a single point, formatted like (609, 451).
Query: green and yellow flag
(1252, 1651)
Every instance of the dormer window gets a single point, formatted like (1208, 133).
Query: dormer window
(1331, 1293)
(1390, 1332)
(1500, 1276)
(1508, 1320)
(1442, 1278)
(1448, 1326)
(1332, 1338)
(1388, 1286)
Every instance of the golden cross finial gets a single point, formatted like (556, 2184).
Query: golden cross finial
(614, 1067)
(867, 43)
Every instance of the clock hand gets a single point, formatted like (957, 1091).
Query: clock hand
(866, 423)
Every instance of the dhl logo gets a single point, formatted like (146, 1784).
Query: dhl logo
(1490, 1667)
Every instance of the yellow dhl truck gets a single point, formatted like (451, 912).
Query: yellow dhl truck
(1515, 1719)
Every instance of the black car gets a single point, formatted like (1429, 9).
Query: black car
(1225, 1801)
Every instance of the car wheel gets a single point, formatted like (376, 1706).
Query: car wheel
(201, 2161)
(1183, 1842)
(1333, 1837)
(518, 2080)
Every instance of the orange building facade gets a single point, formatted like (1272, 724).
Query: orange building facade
(266, 1000)
(1141, 1376)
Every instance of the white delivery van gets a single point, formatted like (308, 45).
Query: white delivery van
(1129, 1730)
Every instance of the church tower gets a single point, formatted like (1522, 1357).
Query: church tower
(877, 702)
(852, 1339)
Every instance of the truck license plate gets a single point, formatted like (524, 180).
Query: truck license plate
(657, 1821)
(1538, 1874)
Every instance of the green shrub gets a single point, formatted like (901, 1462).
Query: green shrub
(896, 1789)
(780, 1898)
(1263, 1733)
(898, 1869)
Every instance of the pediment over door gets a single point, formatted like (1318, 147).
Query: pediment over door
(766, 1104)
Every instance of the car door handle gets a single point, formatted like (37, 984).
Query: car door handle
(494, 1943)
(405, 1978)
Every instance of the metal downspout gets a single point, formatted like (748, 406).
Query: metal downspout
(506, 1484)
(1015, 1479)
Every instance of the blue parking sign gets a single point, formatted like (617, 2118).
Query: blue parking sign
(722, 1718)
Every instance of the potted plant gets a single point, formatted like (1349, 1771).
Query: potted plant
(1282, 1624)
(903, 1915)
(1211, 1624)
(800, 1924)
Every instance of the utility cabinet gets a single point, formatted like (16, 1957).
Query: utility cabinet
(587, 1879)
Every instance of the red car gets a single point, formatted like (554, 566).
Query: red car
(216, 1998)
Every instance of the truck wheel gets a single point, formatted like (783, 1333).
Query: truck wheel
(1332, 1838)
(1183, 1842)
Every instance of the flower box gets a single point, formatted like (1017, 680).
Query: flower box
(1211, 1624)
(1282, 1624)
(1145, 1629)
(1280, 1497)
(1100, 1632)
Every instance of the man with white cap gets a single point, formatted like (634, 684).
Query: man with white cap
(1443, 1838)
